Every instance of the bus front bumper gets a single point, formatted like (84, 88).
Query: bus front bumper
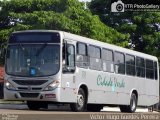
(52, 96)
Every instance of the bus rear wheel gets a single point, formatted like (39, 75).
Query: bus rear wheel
(132, 107)
(80, 105)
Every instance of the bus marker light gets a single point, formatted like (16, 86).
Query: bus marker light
(50, 96)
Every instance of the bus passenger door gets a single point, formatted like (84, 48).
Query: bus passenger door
(68, 75)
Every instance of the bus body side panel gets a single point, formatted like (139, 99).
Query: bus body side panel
(152, 94)
(68, 88)
(103, 87)
(111, 88)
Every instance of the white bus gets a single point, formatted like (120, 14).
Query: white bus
(44, 66)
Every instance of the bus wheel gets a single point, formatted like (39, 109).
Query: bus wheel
(132, 107)
(33, 105)
(94, 108)
(80, 105)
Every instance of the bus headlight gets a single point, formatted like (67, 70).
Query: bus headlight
(9, 86)
(52, 86)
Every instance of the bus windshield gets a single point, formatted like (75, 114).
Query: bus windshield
(33, 60)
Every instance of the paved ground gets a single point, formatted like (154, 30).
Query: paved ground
(21, 112)
(51, 108)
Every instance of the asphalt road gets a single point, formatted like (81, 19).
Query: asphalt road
(23, 109)
(21, 112)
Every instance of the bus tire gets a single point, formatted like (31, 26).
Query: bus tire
(132, 107)
(94, 108)
(123, 108)
(80, 105)
(33, 105)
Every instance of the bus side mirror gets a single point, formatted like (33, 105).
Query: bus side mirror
(2, 56)
(2, 50)
(1, 53)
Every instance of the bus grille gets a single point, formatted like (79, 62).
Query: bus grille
(30, 82)
(29, 95)
(26, 88)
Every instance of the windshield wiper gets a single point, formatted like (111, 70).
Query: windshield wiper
(41, 49)
(23, 49)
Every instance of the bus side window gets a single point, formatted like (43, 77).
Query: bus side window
(155, 71)
(107, 60)
(94, 53)
(69, 58)
(82, 58)
(149, 69)
(119, 63)
(130, 65)
(140, 67)
(70, 55)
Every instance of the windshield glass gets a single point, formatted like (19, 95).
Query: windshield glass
(33, 59)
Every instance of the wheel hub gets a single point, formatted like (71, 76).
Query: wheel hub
(80, 100)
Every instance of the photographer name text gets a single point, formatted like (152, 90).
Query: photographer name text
(124, 117)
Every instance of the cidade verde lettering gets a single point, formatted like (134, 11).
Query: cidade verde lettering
(109, 82)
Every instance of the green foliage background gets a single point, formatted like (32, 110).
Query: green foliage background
(97, 22)
(143, 27)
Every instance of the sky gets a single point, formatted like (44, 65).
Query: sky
(85, 0)
(79, 0)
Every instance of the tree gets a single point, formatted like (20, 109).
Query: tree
(66, 15)
(143, 27)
